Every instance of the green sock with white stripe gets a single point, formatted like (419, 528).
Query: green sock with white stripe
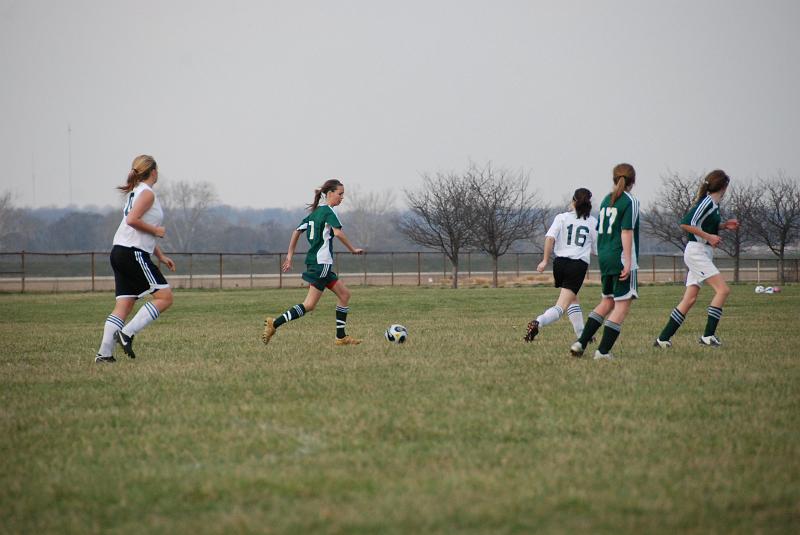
(675, 321)
(341, 320)
(297, 311)
(714, 315)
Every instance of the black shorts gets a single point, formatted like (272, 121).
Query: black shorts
(569, 273)
(135, 275)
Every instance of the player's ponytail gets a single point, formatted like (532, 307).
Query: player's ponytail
(329, 185)
(624, 176)
(141, 168)
(714, 181)
(582, 200)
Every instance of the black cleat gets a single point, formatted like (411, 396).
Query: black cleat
(533, 330)
(126, 342)
(100, 359)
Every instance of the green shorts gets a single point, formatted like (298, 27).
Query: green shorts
(320, 276)
(620, 290)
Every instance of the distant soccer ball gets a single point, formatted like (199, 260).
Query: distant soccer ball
(759, 289)
(396, 334)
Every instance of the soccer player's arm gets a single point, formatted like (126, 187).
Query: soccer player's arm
(287, 264)
(593, 236)
(627, 242)
(549, 243)
(686, 225)
(140, 207)
(336, 225)
(164, 259)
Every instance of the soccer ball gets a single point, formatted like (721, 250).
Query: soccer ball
(759, 289)
(396, 333)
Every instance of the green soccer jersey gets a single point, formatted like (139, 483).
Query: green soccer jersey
(319, 226)
(624, 215)
(705, 215)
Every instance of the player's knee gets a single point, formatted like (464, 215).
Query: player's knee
(164, 299)
(308, 306)
(689, 301)
(724, 290)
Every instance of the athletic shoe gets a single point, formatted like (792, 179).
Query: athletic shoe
(602, 356)
(347, 341)
(126, 342)
(576, 349)
(533, 330)
(99, 359)
(710, 341)
(269, 330)
(663, 344)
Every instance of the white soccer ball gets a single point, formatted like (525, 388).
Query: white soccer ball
(396, 334)
(759, 289)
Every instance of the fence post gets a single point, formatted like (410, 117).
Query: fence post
(92, 270)
(391, 262)
(220, 271)
(469, 264)
(444, 266)
(674, 276)
(23, 272)
(191, 257)
(419, 269)
(251, 271)
(364, 265)
(518, 266)
(758, 270)
(654, 268)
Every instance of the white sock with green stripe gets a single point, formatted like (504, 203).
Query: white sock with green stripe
(112, 325)
(142, 319)
(550, 315)
(575, 315)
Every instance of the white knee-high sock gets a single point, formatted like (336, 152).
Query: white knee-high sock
(146, 314)
(576, 317)
(112, 325)
(550, 315)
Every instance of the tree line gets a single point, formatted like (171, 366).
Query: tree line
(483, 208)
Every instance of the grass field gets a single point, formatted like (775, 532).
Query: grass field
(463, 429)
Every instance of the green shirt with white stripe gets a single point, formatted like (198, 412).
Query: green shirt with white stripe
(705, 215)
(319, 226)
(612, 220)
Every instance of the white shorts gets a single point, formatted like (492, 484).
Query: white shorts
(699, 258)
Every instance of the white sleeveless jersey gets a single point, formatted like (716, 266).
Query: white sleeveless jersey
(126, 235)
(575, 237)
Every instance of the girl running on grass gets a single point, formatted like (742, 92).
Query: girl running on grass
(135, 275)
(702, 223)
(573, 237)
(320, 227)
(617, 251)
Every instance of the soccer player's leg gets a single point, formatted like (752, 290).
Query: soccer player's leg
(721, 292)
(342, 293)
(315, 290)
(678, 314)
(596, 316)
(624, 294)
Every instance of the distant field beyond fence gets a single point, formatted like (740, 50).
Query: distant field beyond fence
(90, 271)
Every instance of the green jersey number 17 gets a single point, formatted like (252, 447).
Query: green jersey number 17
(609, 212)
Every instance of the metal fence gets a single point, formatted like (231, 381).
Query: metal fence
(91, 271)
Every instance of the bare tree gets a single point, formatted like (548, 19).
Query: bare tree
(7, 218)
(369, 215)
(739, 202)
(675, 197)
(440, 216)
(185, 207)
(776, 219)
(505, 211)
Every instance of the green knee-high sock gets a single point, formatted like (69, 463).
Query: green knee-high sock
(341, 320)
(714, 315)
(594, 322)
(674, 323)
(293, 313)
(610, 334)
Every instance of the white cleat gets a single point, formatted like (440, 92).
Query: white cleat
(710, 341)
(663, 344)
(602, 356)
(576, 349)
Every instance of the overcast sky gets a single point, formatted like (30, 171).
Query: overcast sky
(267, 99)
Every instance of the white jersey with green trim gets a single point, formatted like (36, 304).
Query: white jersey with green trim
(575, 237)
(126, 235)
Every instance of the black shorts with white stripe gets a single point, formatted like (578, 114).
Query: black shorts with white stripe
(135, 275)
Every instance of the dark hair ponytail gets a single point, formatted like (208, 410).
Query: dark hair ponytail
(141, 168)
(624, 176)
(714, 181)
(582, 199)
(329, 185)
